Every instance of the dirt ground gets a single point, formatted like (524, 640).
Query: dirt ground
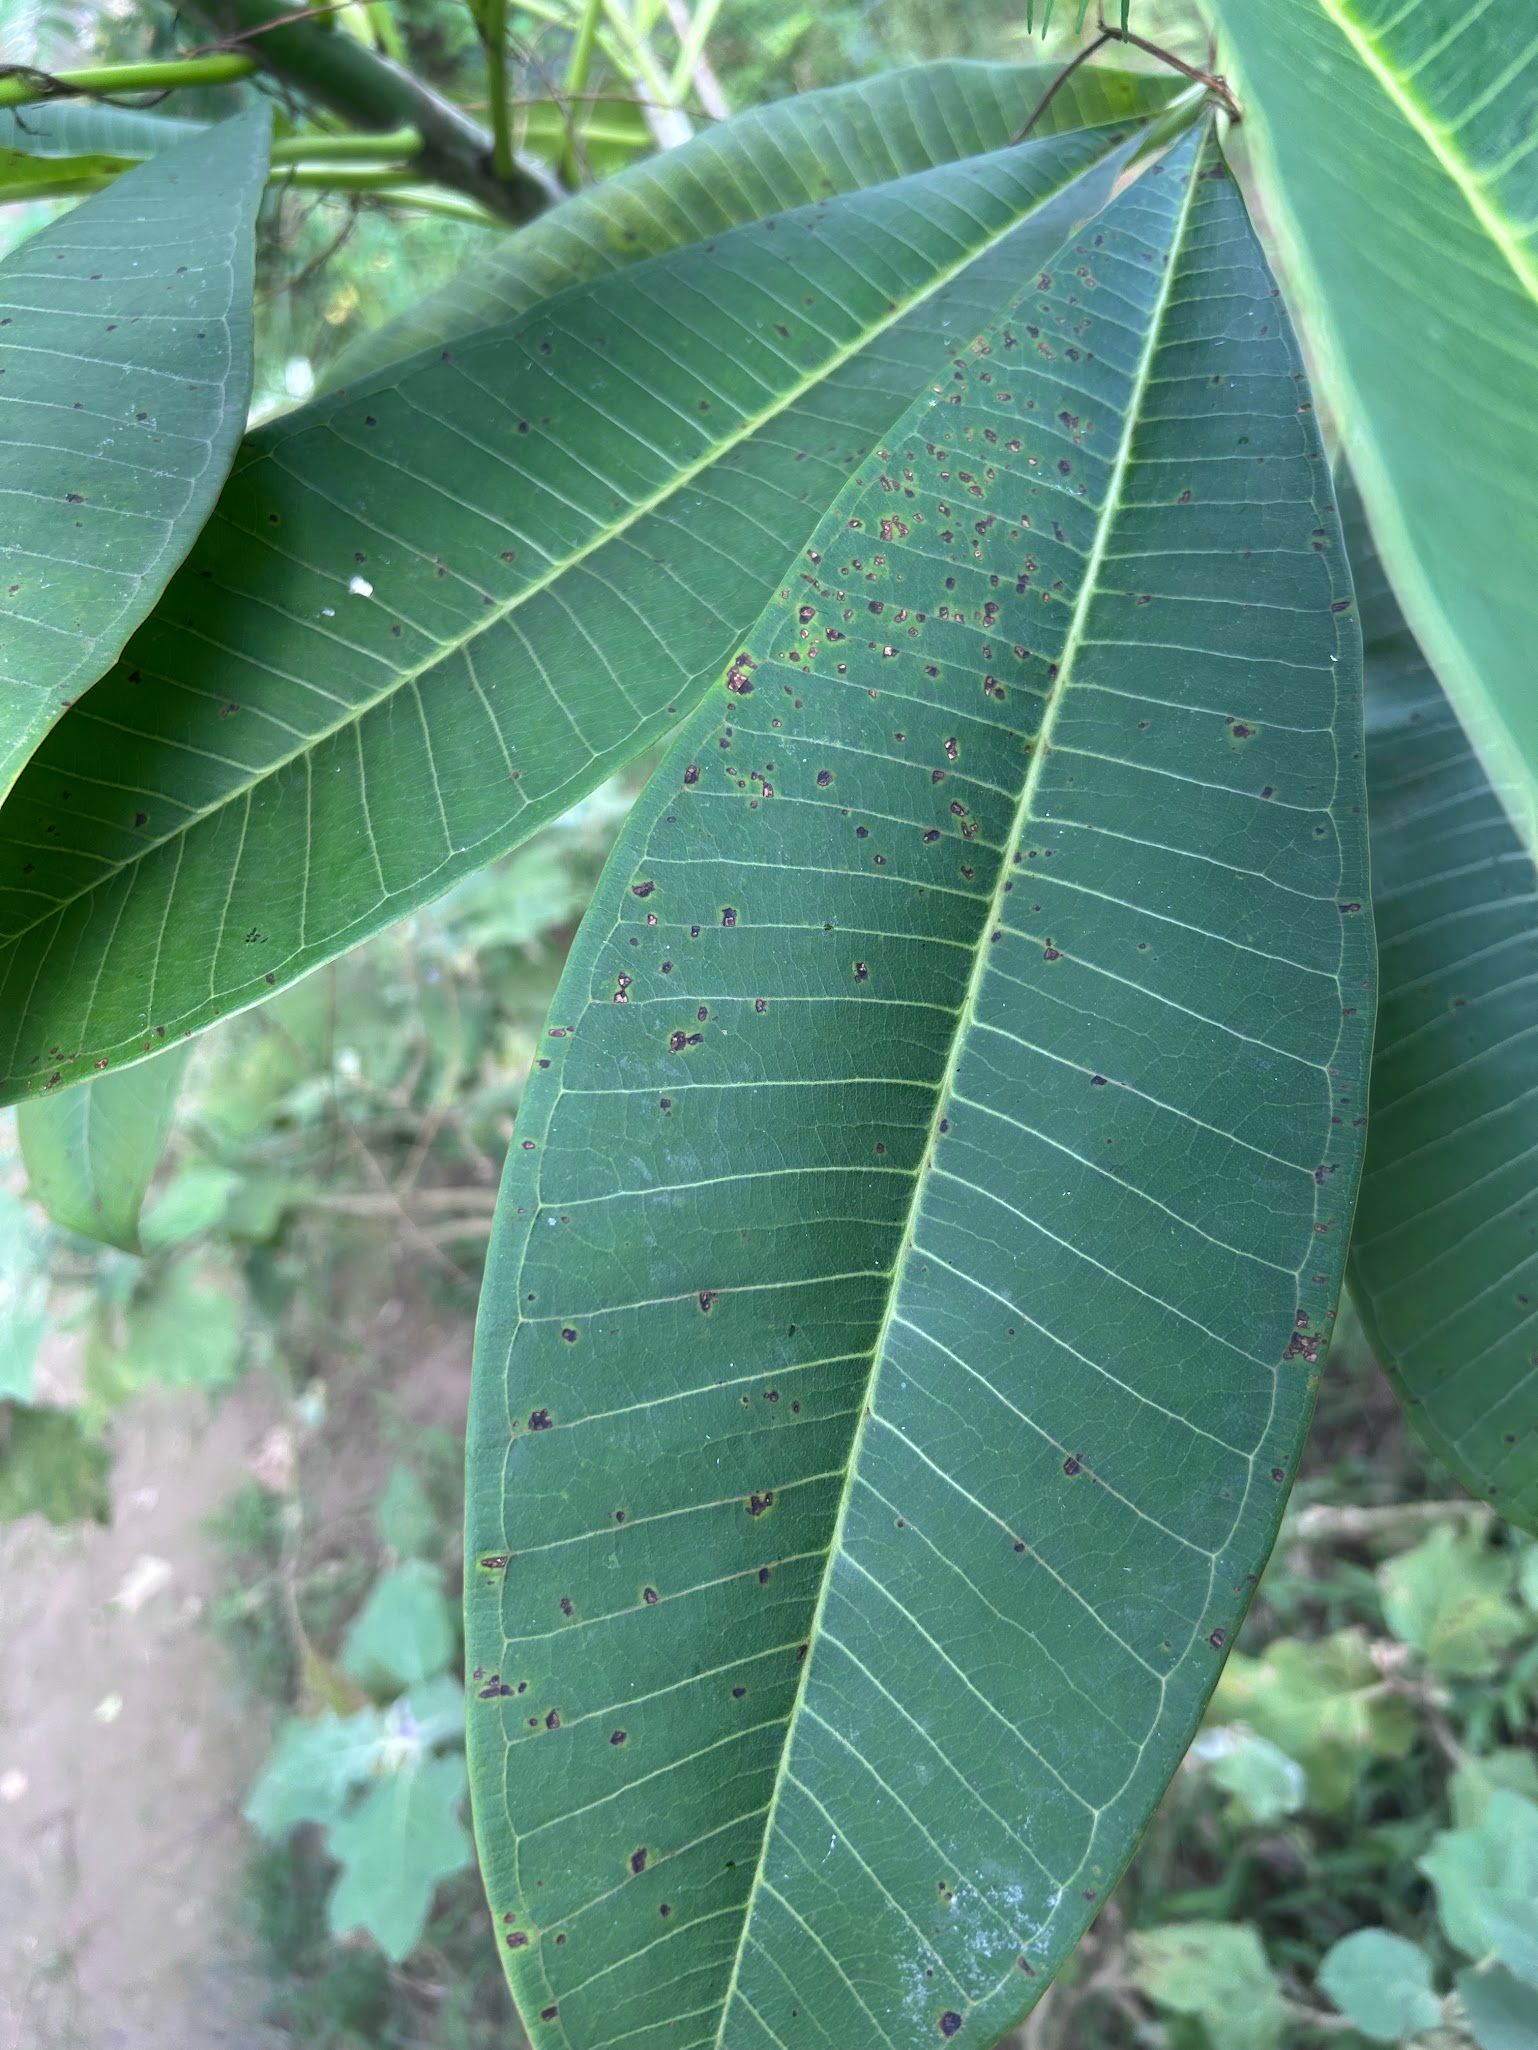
(123, 1757)
(125, 1748)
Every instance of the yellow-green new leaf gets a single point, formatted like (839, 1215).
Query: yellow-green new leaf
(1395, 143)
(926, 1214)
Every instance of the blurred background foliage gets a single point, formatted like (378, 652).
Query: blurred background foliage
(1350, 1854)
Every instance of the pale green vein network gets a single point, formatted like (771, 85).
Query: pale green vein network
(125, 343)
(1400, 165)
(1096, 1310)
(1439, 138)
(562, 633)
(946, 1088)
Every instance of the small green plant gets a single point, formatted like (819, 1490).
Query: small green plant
(924, 1225)
(380, 1771)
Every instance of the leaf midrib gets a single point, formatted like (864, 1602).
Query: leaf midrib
(404, 679)
(965, 1018)
(1436, 138)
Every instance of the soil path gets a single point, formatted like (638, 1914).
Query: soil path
(124, 1755)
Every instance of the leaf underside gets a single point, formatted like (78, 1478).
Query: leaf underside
(1444, 1256)
(92, 1153)
(49, 148)
(791, 153)
(1402, 174)
(432, 611)
(928, 1208)
(125, 368)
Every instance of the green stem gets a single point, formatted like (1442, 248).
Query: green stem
(397, 149)
(692, 46)
(346, 149)
(18, 85)
(370, 91)
(580, 64)
(494, 30)
(390, 183)
(386, 34)
(397, 190)
(337, 178)
(669, 124)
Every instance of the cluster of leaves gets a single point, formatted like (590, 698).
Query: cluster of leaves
(363, 1856)
(1310, 1731)
(1344, 1855)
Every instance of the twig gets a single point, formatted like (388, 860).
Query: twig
(1325, 1523)
(1214, 81)
(317, 262)
(371, 91)
(387, 1203)
(693, 67)
(345, 149)
(1105, 36)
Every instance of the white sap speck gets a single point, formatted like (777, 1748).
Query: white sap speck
(360, 587)
(328, 612)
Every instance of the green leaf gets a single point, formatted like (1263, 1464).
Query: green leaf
(404, 1632)
(788, 154)
(1451, 1599)
(24, 1256)
(1394, 147)
(319, 1762)
(91, 1153)
(925, 1217)
(1323, 1704)
(1477, 1778)
(1265, 1783)
(1382, 1985)
(126, 348)
(1501, 2012)
(57, 129)
(181, 1329)
(432, 1713)
(193, 1203)
(314, 1768)
(404, 1516)
(1217, 1972)
(50, 1467)
(1444, 1255)
(52, 148)
(1486, 1880)
(432, 611)
(404, 1836)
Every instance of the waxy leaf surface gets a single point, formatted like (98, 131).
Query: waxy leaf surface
(125, 371)
(1398, 156)
(788, 154)
(430, 612)
(1444, 1257)
(928, 1207)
